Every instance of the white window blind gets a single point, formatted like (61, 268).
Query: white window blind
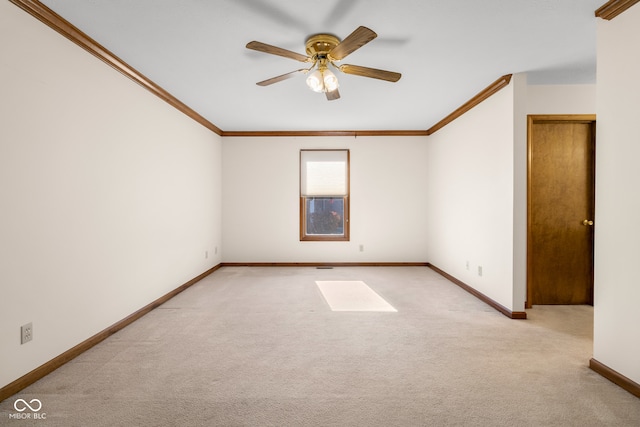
(324, 172)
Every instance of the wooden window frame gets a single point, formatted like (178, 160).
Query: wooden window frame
(344, 237)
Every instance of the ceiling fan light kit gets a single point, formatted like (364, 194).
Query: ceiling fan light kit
(322, 80)
(324, 50)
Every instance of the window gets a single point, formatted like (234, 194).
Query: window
(324, 195)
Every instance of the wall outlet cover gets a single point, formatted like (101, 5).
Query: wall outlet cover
(26, 333)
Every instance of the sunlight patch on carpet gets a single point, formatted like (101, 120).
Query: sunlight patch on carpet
(352, 296)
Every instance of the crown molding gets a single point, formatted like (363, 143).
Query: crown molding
(613, 8)
(487, 92)
(68, 30)
(352, 133)
(481, 96)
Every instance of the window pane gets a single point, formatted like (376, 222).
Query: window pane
(325, 216)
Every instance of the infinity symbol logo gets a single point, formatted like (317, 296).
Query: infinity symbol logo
(24, 405)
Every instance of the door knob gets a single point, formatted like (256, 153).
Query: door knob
(587, 222)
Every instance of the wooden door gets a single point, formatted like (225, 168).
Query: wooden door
(561, 210)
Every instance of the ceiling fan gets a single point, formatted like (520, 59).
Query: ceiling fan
(324, 50)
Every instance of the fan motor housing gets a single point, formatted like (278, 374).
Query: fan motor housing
(321, 44)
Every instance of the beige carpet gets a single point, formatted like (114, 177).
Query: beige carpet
(260, 347)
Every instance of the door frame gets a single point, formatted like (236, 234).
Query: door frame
(531, 118)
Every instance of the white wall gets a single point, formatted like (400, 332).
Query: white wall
(109, 197)
(469, 194)
(261, 200)
(520, 170)
(561, 99)
(477, 186)
(617, 230)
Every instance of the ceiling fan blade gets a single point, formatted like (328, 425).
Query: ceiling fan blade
(334, 94)
(267, 48)
(280, 78)
(354, 41)
(389, 76)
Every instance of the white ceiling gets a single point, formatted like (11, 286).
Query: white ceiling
(447, 51)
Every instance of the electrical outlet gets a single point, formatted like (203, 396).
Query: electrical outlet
(467, 265)
(26, 333)
(215, 251)
(361, 248)
(479, 270)
(206, 254)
